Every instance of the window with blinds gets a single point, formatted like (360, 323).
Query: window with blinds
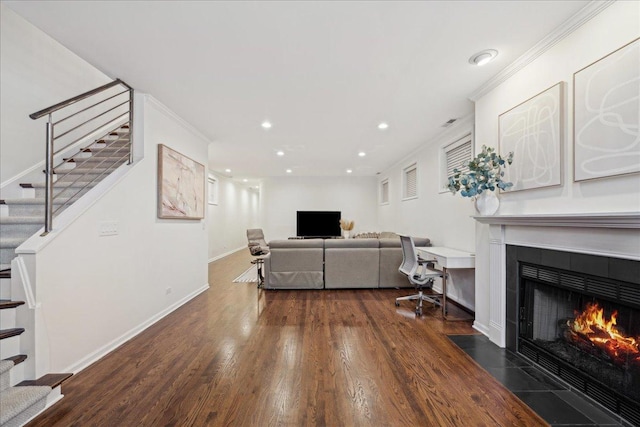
(384, 192)
(410, 182)
(455, 155)
(458, 157)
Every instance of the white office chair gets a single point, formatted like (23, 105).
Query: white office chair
(419, 274)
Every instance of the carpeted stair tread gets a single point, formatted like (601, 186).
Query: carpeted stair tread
(49, 380)
(11, 242)
(79, 184)
(90, 160)
(8, 333)
(6, 365)
(104, 149)
(17, 359)
(6, 303)
(5, 375)
(35, 201)
(84, 171)
(5, 220)
(16, 403)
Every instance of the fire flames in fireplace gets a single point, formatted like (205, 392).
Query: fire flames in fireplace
(593, 333)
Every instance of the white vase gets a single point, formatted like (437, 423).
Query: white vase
(487, 203)
(345, 233)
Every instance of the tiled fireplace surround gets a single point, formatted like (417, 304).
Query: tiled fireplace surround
(605, 245)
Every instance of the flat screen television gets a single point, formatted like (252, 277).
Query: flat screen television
(318, 224)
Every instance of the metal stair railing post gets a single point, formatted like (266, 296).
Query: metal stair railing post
(48, 170)
(106, 122)
(130, 126)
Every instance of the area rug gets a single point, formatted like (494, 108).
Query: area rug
(251, 275)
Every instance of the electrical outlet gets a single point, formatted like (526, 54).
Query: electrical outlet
(109, 228)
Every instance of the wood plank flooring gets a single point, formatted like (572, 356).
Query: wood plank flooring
(239, 356)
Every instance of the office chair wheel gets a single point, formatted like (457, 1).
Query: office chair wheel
(397, 304)
(418, 312)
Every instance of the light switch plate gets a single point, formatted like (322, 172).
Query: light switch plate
(109, 228)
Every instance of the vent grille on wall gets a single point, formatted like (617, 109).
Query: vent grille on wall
(622, 292)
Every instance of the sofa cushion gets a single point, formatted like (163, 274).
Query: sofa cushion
(390, 277)
(297, 243)
(351, 243)
(351, 263)
(395, 243)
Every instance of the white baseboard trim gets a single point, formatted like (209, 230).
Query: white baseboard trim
(101, 352)
(483, 329)
(233, 251)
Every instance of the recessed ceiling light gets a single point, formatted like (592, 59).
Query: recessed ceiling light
(227, 170)
(484, 57)
(383, 126)
(245, 180)
(349, 171)
(280, 153)
(362, 154)
(266, 124)
(289, 171)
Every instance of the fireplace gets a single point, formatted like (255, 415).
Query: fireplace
(578, 317)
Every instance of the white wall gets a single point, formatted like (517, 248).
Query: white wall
(229, 219)
(35, 72)
(435, 214)
(282, 197)
(97, 291)
(614, 27)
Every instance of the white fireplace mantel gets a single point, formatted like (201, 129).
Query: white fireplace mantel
(615, 235)
(597, 220)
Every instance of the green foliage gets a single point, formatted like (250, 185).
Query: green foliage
(485, 174)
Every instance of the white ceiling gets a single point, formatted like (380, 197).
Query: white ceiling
(324, 73)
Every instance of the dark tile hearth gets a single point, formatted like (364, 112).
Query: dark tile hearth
(552, 399)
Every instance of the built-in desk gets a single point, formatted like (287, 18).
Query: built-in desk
(447, 258)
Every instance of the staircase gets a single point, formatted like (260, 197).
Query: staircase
(19, 400)
(73, 177)
(104, 145)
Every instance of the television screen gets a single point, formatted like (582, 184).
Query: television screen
(318, 224)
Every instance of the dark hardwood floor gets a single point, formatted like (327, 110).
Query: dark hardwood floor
(238, 356)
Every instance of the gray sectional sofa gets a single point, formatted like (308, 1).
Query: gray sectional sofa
(336, 263)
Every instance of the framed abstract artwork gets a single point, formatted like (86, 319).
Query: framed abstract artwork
(180, 186)
(606, 109)
(533, 131)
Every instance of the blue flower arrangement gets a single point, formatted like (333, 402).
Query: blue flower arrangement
(485, 174)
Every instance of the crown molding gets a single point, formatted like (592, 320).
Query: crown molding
(560, 33)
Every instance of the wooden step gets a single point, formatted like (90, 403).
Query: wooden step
(5, 274)
(5, 303)
(8, 333)
(17, 359)
(50, 380)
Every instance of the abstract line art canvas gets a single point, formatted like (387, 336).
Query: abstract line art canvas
(180, 185)
(532, 130)
(607, 115)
